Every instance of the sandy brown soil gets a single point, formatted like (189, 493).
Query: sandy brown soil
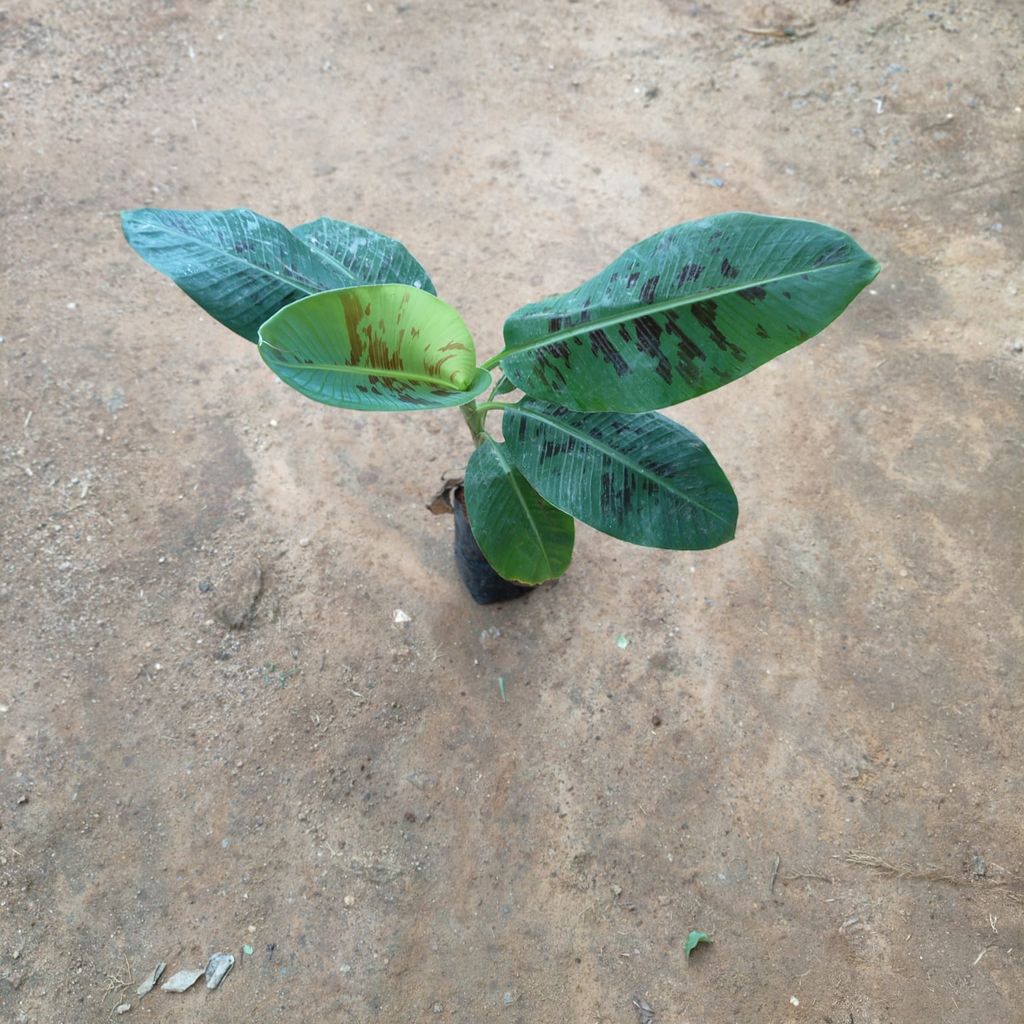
(839, 688)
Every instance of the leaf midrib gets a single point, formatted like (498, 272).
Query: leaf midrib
(653, 309)
(616, 455)
(204, 243)
(364, 371)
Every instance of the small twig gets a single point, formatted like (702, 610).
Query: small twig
(929, 873)
(775, 874)
(797, 32)
(120, 983)
(799, 875)
(978, 184)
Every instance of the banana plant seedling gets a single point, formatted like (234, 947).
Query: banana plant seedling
(348, 317)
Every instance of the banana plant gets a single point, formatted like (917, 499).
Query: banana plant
(348, 317)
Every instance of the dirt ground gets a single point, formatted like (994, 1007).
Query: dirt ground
(811, 747)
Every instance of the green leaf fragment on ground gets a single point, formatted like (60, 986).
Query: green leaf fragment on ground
(693, 940)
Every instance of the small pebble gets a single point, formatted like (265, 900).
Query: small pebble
(401, 616)
(182, 981)
(622, 643)
(1018, 345)
(151, 979)
(247, 949)
(794, 1000)
(217, 968)
(349, 901)
(123, 1008)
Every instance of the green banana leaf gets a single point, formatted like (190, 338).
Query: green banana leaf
(240, 267)
(684, 312)
(366, 256)
(524, 538)
(378, 347)
(639, 477)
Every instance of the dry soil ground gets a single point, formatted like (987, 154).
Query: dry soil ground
(838, 690)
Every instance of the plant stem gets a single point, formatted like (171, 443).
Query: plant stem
(476, 415)
(474, 418)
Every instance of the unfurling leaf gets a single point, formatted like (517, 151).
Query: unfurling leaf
(377, 348)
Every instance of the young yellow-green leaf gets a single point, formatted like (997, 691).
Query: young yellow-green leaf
(641, 478)
(684, 312)
(524, 538)
(693, 940)
(377, 347)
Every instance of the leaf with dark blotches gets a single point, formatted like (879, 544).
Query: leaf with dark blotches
(242, 267)
(382, 347)
(684, 312)
(366, 256)
(639, 477)
(525, 539)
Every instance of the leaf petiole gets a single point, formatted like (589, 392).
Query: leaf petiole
(476, 415)
(494, 390)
